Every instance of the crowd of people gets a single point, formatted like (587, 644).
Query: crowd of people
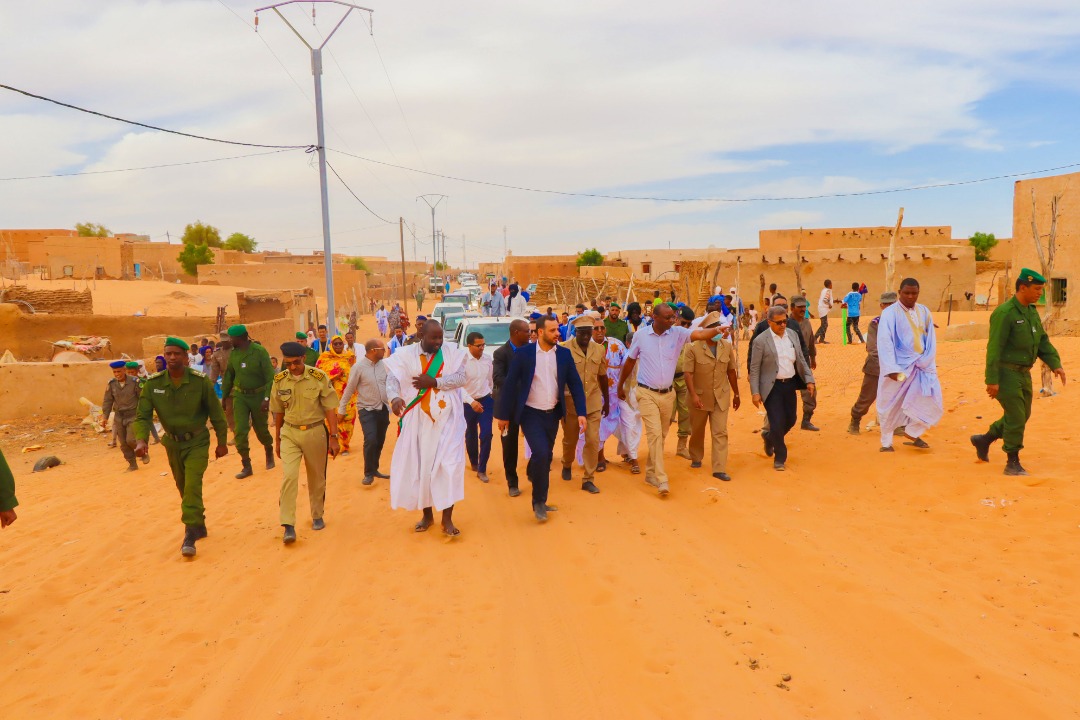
(593, 375)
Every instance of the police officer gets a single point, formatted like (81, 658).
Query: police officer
(591, 361)
(301, 398)
(245, 393)
(122, 398)
(712, 382)
(1017, 339)
(184, 400)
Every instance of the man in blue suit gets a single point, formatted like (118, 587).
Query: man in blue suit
(532, 396)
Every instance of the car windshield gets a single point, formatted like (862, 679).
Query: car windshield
(459, 299)
(495, 334)
(450, 322)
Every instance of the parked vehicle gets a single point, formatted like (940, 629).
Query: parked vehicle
(459, 297)
(442, 309)
(496, 332)
(450, 321)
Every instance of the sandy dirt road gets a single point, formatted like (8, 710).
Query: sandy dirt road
(915, 585)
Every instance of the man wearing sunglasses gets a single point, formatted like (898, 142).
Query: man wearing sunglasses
(778, 370)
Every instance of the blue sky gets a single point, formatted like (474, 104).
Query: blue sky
(692, 100)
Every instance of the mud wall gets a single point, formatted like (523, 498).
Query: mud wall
(29, 389)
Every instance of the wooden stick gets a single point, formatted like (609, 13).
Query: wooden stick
(890, 264)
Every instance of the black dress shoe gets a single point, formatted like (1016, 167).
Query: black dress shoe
(589, 487)
(722, 476)
(514, 492)
(383, 476)
(566, 474)
(695, 464)
(768, 444)
(368, 479)
(540, 511)
(290, 535)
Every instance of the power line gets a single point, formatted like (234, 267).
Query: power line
(342, 180)
(145, 167)
(145, 125)
(600, 196)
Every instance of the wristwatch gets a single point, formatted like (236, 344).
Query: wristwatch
(334, 436)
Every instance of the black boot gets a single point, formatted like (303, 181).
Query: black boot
(270, 457)
(245, 470)
(1013, 466)
(191, 534)
(807, 425)
(853, 428)
(982, 445)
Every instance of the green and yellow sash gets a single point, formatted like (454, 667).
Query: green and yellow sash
(432, 369)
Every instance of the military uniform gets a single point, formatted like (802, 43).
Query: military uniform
(123, 401)
(682, 408)
(708, 366)
(8, 501)
(311, 357)
(809, 399)
(219, 362)
(303, 402)
(591, 364)
(871, 370)
(1017, 340)
(247, 380)
(183, 409)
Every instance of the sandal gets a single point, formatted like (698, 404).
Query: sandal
(635, 469)
(422, 526)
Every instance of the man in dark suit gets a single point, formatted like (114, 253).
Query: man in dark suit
(532, 395)
(519, 337)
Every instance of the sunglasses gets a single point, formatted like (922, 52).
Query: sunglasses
(778, 322)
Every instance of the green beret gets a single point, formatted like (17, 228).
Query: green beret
(131, 364)
(176, 342)
(1028, 276)
(615, 305)
(237, 331)
(301, 336)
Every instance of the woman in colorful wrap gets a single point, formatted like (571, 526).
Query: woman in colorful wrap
(337, 362)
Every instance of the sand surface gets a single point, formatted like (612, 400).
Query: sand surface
(914, 585)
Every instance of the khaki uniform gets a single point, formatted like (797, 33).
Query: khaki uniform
(871, 371)
(123, 402)
(707, 367)
(303, 401)
(590, 365)
(682, 400)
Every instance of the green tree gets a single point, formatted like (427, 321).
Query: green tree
(983, 243)
(241, 242)
(440, 265)
(194, 255)
(92, 230)
(590, 257)
(360, 264)
(199, 234)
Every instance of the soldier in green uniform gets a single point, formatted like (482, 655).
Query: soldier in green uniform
(682, 395)
(245, 392)
(311, 355)
(1017, 340)
(8, 502)
(301, 399)
(122, 399)
(184, 400)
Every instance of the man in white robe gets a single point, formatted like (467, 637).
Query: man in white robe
(427, 471)
(909, 392)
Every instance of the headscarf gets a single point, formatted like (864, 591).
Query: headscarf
(162, 359)
(513, 290)
(337, 365)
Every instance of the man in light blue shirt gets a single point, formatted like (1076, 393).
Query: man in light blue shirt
(853, 303)
(654, 353)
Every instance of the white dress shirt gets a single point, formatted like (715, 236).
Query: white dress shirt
(544, 392)
(478, 378)
(785, 355)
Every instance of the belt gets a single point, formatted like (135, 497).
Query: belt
(656, 390)
(249, 391)
(1015, 366)
(785, 380)
(678, 374)
(546, 412)
(305, 427)
(184, 437)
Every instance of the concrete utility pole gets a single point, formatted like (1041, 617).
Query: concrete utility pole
(434, 241)
(464, 258)
(316, 70)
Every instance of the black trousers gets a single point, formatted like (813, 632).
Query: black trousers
(782, 409)
(373, 423)
(510, 453)
(540, 429)
(853, 329)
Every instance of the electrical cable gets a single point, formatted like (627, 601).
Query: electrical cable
(149, 127)
(708, 199)
(145, 167)
(357, 197)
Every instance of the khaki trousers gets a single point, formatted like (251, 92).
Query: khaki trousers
(682, 406)
(591, 452)
(311, 446)
(656, 409)
(717, 421)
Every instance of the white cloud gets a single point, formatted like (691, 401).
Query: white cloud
(563, 96)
